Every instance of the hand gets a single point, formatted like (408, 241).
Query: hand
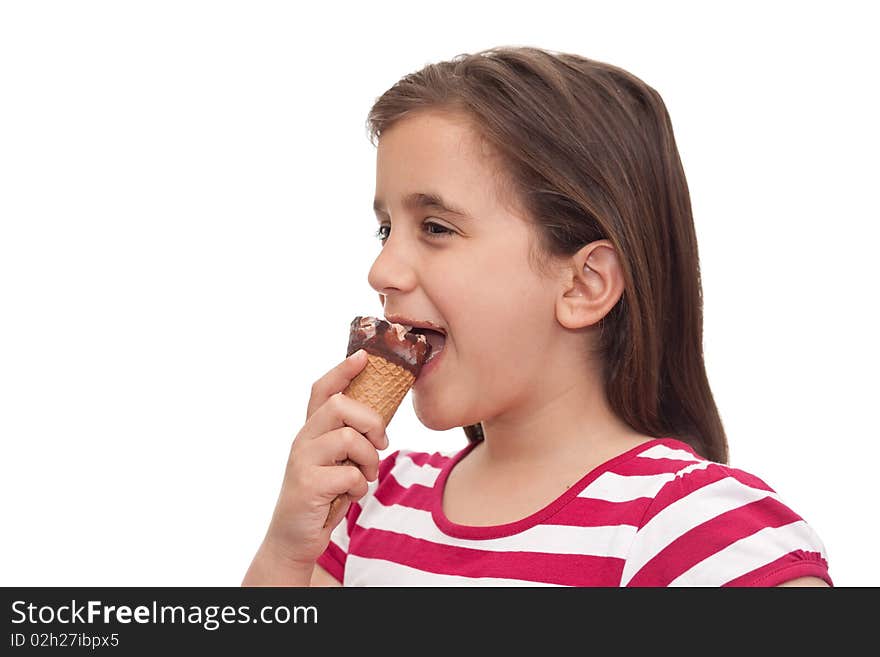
(337, 427)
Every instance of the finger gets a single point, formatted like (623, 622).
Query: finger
(345, 480)
(336, 380)
(343, 411)
(340, 504)
(346, 443)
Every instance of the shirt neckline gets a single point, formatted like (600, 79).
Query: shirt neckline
(457, 530)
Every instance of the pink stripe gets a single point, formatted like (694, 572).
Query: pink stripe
(564, 569)
(333, 560)
(646, 466)
(585, 512)
(351, 516)
(416, 496)
(748, 479)
(387, 465)
(710, 537)
(685, 484)
(797, 563)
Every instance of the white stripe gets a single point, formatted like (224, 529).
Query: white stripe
(339, 535)
(360, 571)
(664, 452)
(751, 552)
(606, 541)
(407, 473)
(613, 487)
(686, 513)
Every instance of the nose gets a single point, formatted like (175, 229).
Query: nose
(391, 272)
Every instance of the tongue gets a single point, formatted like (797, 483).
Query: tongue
(436, 340)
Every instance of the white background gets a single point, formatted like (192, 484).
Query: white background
(185, 186)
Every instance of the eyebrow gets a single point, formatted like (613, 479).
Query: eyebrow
(424, 201)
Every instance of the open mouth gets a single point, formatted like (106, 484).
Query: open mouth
(436, 339)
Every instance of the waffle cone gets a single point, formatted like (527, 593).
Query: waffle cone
(381, 385)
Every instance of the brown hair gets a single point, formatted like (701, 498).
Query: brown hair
(587, 150)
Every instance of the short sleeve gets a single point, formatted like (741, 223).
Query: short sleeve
(713, 525)
(333, 558)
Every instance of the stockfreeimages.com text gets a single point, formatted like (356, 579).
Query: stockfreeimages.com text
(211, 617)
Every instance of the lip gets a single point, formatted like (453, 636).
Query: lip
(405, 321)
(429, 367)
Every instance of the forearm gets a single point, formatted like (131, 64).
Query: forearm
(270, 569)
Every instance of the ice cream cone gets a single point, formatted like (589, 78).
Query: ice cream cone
(383, 384)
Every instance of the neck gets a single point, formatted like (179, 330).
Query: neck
(567, 422)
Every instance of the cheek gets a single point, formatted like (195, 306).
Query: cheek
(494, 305)
(495, 321)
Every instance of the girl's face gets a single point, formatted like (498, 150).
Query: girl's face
(469, 274)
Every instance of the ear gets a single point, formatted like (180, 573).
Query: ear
(590, 286)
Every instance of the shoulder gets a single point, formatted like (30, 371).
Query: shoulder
(651, 471)
(712, 524)
(688, 479)
(669, 471)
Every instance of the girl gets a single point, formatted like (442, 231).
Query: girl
(541, 219)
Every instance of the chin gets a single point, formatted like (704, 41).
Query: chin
(439, 418)
(435, 418)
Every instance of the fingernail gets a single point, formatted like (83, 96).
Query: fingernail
(386, 442)
(357, 355)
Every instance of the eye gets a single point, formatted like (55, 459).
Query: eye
(445, 232)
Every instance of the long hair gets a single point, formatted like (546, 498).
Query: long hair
(587, 149)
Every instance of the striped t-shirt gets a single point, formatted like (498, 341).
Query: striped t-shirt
(656, 515)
